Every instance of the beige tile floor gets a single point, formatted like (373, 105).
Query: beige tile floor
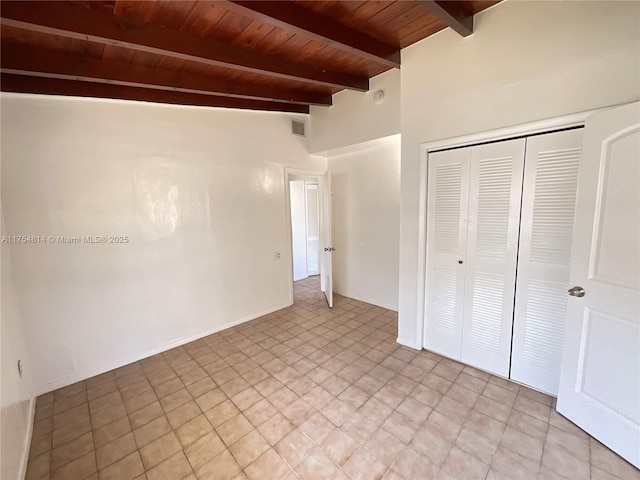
(308, 393)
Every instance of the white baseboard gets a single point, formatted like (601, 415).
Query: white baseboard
(83, 375)
(26, 441)
(407, 343)
(360, 298)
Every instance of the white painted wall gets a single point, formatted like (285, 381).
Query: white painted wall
(16, 394)
(526, 61)
(365, 184)
(298, 229)
(199, 193)
(355, 118)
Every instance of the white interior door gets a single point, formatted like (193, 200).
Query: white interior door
(495, 189)
(600, 375)
(312, 229)
(326, 266)
(298, 229)
(448, 205)
(546, 227)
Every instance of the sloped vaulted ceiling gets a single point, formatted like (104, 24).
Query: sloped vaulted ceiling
(264, 55)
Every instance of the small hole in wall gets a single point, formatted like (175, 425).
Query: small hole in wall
(20, 368)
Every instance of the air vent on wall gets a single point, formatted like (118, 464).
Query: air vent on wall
(297, 128)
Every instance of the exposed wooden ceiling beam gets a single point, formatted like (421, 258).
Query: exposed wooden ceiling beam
(30, 61)
(450, 13)
(323, 29)
(56, 86)
(57, 18)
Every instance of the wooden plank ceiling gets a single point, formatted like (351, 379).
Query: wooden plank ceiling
(264, 55)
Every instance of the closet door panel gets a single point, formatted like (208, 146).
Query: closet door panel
(447, 208)
(548, 208)
(492, 247)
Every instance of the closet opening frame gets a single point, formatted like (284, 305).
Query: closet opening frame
(566, 122)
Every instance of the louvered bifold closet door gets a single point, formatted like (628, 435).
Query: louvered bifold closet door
(492, 247)
(548, 208)
(447, 190)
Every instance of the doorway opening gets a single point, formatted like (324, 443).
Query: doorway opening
(305, 237)
(305, 227)
(308, 224)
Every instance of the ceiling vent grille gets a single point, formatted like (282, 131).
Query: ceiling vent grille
(298, 128)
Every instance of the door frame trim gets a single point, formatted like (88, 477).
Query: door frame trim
(504, 133)
(287, 173)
